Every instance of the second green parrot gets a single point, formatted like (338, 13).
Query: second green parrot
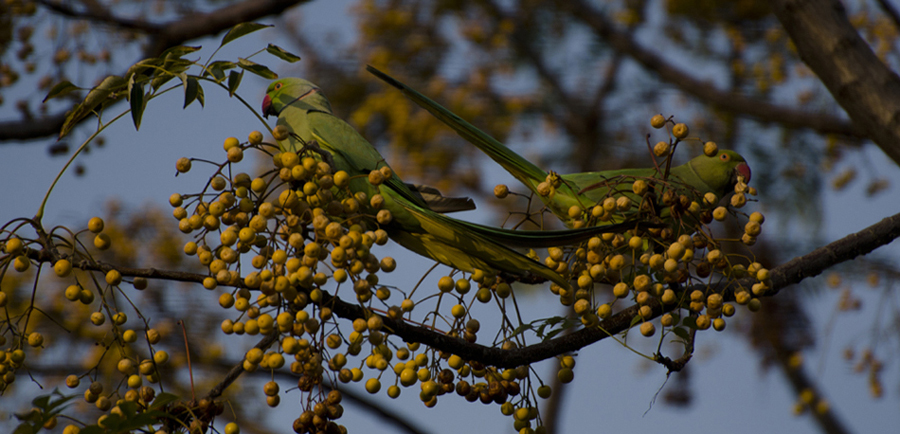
(715, 174)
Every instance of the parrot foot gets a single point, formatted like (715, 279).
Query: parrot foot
(313, 146)
(529, 279)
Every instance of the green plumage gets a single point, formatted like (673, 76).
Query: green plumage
(716, 174)
(304, 111)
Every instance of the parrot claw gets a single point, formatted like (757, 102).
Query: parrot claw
(313, 146)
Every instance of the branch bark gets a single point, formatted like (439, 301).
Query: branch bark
(728, 101)
(860, 82)
(161, 37)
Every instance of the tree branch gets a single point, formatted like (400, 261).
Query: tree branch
(100, 15)
(161, 37)
(860, 82)
(789, 273)
(703, 90)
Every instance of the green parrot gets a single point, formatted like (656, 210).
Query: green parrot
(716, 174)
(303, 110)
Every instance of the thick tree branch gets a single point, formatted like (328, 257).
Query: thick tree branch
(100, 15)
(860, 82)
(161, 37)
(703, 90)
(789, 273)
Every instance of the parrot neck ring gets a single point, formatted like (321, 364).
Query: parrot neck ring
(308, 93)
(269, 109)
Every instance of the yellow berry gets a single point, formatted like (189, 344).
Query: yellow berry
(373, 385)
(636, 243)
(153, 336)
(383, 217)
(648, 329)
(661, 149)
(757, 217)
(113, 277)
(376, 178)
(255, 138)
(752, 228)
(604, 311)
(446, 284)
(231, 427)
(102, 241)
(230, 143)
(680, 131)
(720, 213)
(544, 391)
(97, 318)
(280, 132)
(639, 187)
(35, 339)
(235, 154)
(13, 245)
(667, 320)
(657, 121)
(258, 185)
(72, 381)
(710, 149)
(463, 286)
(95, 225)
(501, 191)
(62, 267)
(210, 283)
(183, 165)
(565, 375)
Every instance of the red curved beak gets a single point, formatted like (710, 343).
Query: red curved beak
(744, 170)
(267, 107)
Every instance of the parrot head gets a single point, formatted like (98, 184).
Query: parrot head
(293, 91)
(721, 171)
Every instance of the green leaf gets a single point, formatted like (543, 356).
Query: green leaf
(136, 99)
(282, 54)
(60, 89)
(689, 321)
(143, 66)
(103, 93)
(682, 333)
(178, 51)
(162, 400)
(234, 80)
(191, 90)
(635, 321)
(257, 69)
(169, 70)
(200, 97)
(26, 429)
(160, 80)
(241, 30)
(41, 401)
(218, 68)
(552, 333)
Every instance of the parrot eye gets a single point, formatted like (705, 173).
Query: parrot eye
(724, 157)
(277, 86)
